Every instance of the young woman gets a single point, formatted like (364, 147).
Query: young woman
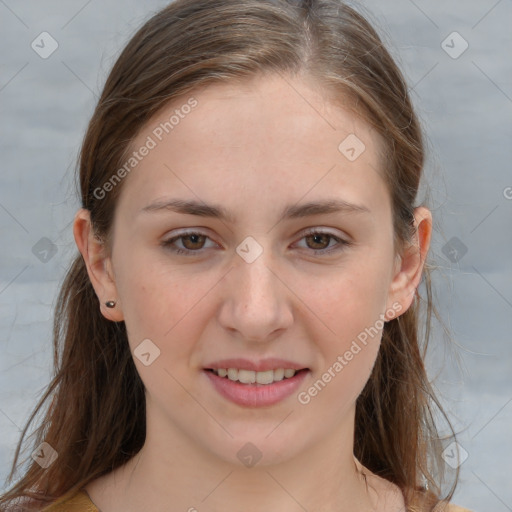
(241, 327)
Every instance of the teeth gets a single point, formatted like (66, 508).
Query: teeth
(251, 377)
(246, 376)
(279, 374)
(264, 377)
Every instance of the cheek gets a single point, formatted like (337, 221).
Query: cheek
(351, 313)
(164, 305)
(348, 301)
(167, 310)
(347, 353)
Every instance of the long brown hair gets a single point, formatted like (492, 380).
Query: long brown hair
(95, 419)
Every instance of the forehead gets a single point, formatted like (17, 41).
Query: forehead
(276, 136)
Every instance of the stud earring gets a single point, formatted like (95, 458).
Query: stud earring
(110, 304)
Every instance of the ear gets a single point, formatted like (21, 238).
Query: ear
(410, 264)
(98, 263)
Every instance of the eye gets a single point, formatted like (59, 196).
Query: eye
(320, 242)
(192, 242)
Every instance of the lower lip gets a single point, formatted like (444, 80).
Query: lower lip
(256, 395)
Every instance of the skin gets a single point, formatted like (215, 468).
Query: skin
(253, 148)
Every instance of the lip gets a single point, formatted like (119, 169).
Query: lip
(271, 363)
(256, 395)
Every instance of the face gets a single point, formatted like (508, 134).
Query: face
(256, 236)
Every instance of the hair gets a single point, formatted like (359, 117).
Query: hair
(95, 419)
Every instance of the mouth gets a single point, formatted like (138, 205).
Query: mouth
(262, 378)
(249, 384)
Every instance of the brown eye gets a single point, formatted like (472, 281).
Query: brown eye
(320, 243)
(319, 240)
(196, 241)
(188, 244)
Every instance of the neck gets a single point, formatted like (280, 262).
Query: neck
(172, 469)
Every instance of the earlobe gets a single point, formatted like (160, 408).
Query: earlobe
(99, 265)
(410, 264)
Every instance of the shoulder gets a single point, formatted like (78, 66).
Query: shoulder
(426, 500)
(76, 502)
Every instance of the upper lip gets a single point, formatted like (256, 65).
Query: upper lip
(256, 366)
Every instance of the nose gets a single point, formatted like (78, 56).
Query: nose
(257, 303)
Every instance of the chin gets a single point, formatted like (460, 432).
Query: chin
(256, 447)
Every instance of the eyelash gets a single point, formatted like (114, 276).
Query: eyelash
(169, 244)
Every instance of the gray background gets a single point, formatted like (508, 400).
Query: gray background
(465, 104)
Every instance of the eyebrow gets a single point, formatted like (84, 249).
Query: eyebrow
(294, 211)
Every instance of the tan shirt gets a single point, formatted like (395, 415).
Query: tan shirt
(80, 502)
